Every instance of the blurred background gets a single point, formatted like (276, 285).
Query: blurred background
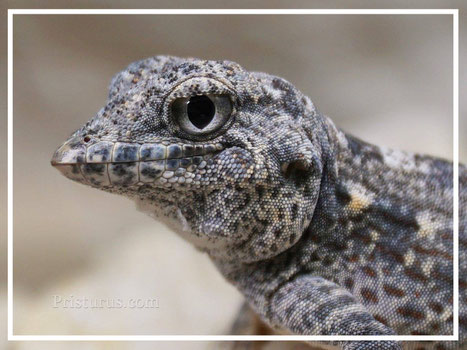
(386, 79)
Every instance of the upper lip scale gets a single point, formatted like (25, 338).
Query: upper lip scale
(104, 152)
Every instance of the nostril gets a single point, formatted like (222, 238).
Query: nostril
(86, 139)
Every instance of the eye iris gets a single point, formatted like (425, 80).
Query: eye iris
(200, 110)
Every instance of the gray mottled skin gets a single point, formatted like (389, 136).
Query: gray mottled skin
(322, 233)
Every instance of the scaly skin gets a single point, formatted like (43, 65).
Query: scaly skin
(322, 233)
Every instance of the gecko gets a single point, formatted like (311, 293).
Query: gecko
(323, 233)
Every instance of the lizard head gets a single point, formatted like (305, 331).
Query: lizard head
(227, 158)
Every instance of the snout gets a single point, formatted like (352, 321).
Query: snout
(68, 159)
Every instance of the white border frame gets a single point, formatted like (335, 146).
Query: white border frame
(455, 18)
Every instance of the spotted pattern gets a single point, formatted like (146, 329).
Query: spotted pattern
(322, 232)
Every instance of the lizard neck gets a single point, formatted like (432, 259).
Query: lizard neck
(369, 193)
(374, 204)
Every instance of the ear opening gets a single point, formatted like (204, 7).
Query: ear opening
(296, 171)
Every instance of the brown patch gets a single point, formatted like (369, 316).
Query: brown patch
(432, 252)
(386, 271)
(393, 291)
(365, 238)
(435, 327)
(316, 239)
(354, 258)
(436, 307)
(410, 312)
(414, 274)
(369, 271)
(398, 256)
(263, 329)
(447, 236)
(369, 295)
(381, 319)
(442, 277)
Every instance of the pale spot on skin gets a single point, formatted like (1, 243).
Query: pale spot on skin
(446, 314)
(137, 97)
(359, 201)
(426, 267)
(127, 75)
(427, 228)
(359, 198)
(374, 235)
(398, 159)
(429, 317)
(409, 258)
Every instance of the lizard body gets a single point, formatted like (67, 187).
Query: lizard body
(322, 232)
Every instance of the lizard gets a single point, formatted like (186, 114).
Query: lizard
(323, 233)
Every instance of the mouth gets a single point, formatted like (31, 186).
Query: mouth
(109, 164)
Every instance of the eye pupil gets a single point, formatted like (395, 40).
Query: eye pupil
(201, 111)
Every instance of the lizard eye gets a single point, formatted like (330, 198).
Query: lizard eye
(203, 114)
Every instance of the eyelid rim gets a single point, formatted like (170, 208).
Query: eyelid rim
(225, 85)
(224, 82)
(226, 88)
